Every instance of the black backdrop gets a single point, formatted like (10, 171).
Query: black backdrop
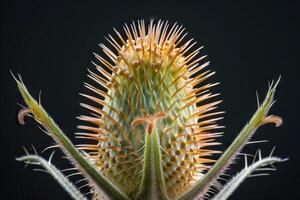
(51, 45)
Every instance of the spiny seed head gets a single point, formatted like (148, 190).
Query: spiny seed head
(153, 82)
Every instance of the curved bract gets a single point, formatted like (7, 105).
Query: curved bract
(152, 120)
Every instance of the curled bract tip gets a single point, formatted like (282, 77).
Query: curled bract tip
(150, 121)
(272, 119)
(22, 113)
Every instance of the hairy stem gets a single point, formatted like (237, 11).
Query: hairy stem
(57, 175)
(232, 185)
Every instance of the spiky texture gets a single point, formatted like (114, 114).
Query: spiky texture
(152, 123)
(151, 72)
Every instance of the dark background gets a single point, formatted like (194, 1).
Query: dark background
(51, 45)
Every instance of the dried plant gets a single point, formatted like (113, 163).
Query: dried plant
(153, 123)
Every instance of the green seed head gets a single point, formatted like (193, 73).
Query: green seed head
(152, 84)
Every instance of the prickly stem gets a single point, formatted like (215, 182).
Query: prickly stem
(236, 181)
(57, 175)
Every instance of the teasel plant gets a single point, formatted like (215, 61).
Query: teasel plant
(153, 124)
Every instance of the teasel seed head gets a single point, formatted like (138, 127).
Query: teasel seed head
(152, 79)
